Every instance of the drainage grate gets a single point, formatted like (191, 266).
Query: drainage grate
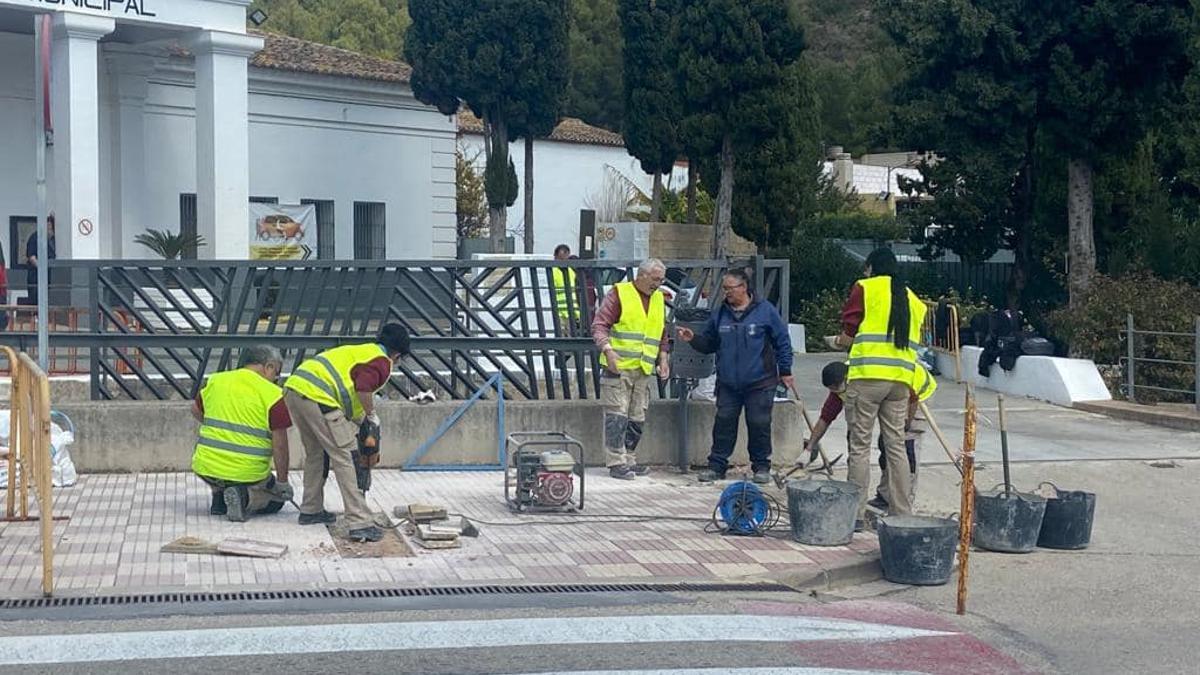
(379, 593)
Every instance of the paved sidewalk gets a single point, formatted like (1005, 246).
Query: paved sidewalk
(117, 524)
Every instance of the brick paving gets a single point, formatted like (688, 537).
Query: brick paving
(117, 524)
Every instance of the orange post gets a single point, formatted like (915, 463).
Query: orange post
(967, 510)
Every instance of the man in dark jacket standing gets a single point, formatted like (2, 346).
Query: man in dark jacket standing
(754, 354)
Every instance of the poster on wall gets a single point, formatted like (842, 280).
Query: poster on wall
(283, 231)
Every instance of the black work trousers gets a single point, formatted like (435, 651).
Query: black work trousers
(758, 404)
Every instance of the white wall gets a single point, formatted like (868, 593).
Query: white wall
(311, 137)
(17, 196)
(566, 177)
(366, 142)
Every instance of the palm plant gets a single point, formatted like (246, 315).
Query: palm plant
(169, 245)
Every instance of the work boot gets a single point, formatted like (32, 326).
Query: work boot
(322, 518)
(218, 504)
(237, 498)
(365, 534)
(638, 469)
(762, 476)
(860, 525)
(710, 476)
(878, 502)
(622, 472)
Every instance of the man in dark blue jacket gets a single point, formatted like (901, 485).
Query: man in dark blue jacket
(754, 354)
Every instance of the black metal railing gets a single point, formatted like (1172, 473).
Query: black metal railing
(155, 329)
(1158, 358)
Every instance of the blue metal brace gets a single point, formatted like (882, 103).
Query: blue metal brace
(496, 381)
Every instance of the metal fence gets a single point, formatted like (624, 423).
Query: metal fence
(1153, 350)
(155, 329)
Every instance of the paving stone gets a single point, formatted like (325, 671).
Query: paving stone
(118, 523)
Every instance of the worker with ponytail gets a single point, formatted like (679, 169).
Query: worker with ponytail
(881, 323)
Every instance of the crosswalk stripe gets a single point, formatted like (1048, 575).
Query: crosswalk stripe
(416, 635)
(738, 671)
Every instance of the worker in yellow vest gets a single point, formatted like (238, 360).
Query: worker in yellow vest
(630, 332)
(330, 396)
(566, 299)
(833, 377)
(881, 324)
(243, 430)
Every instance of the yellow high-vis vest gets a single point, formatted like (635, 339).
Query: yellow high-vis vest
(874, 355)
(637, 334)
(235, 435)
(325, 378)
(924, 384)
(562, 288)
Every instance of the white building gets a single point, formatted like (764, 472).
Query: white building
(168, 115)
(572, 169)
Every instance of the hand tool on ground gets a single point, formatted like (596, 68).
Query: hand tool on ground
(1004, 444)
(781, 478)
(938, 432)
(827, 467)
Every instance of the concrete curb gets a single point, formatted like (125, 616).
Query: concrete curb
(1163, 418)
(861, 571)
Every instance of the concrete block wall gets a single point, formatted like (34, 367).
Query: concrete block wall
(678, 241)
(158, 436)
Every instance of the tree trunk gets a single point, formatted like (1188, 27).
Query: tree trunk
(496, 148)
(1081, 239)
(528, 194)
(1026, 226)
(656, 198)
(691, 193)
(724, 202)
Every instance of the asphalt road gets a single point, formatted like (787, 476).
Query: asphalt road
(1129, 603)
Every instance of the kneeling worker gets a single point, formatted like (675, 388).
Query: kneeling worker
(329, 397)
(833, 377)
(243, 426)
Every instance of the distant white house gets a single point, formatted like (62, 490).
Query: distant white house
(571, 170)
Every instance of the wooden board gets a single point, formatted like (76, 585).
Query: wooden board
(251, 548)
(438, 543)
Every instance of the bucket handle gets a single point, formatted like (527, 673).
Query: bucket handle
(1057, 492)
(825, 488)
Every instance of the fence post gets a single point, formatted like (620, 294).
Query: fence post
(1129, 357)
(1196, 362)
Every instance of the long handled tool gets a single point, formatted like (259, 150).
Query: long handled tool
(941, 439)
(828, 466)
(966, 512)
(1004, 444)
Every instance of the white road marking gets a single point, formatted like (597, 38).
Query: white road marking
(311, 639)
(739, 671)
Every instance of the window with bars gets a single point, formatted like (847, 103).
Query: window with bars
(188, 222)
(370, 231)
(264, 200)
(326, 249)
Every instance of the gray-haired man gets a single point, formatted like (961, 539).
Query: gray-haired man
(630, 332)
(243, 430)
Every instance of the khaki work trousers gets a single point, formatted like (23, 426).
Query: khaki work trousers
(866, 401)
(321, 433)
(625, 400)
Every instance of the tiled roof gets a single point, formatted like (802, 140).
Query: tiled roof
(570, 130)
(280, 52)
(300, 56)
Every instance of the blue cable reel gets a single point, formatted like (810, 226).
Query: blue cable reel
(744, 509)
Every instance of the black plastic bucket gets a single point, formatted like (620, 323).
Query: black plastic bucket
(1008, 523)
(917, 550)
(1068, 521)
(822, 511)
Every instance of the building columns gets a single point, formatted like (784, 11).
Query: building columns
(75, 113)
(223, 143)
(130, 73)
